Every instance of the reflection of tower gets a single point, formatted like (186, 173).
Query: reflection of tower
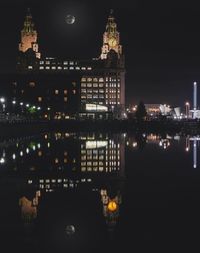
(195, 153)
(29, 208)
(110, 208)
(29, 36)
(195, 141)
(111, 38)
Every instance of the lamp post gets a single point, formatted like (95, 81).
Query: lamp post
(3, 101)
(187, 109)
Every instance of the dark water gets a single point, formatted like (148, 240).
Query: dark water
(73, 192)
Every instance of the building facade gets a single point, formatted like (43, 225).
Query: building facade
(99, 82)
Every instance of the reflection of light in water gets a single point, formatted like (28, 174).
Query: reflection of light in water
(70, 230)
(112, 206)
(195, 154)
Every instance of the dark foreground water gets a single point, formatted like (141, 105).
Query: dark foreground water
(98, 192)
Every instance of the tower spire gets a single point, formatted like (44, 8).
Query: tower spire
(111, 38)
(29, 36)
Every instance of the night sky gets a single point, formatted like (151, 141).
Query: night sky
(161, 41)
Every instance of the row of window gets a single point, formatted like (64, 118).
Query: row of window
(95, 85)
(92, 91)
(92, 79)
(92, 96)
(61, 68)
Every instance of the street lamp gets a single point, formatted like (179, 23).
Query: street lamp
(3, 100)
(187, 109)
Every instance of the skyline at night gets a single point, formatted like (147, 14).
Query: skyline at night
(160, 43)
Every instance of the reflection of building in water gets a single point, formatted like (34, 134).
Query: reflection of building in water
(62, 161)
(111, 208)
(29, 207)
(102, 154)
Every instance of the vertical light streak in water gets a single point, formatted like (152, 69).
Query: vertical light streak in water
(194, 153)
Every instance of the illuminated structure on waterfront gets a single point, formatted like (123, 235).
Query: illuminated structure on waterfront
(99, 82)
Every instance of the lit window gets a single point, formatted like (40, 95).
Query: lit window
(56, 92)
(47, 62)
(71, 63)
(89, 68)
(59, 67)
(41, 62)
(65, 67)
(77, 68)
(83, 79)
(83, 68)
(74, 91)
(65, 91)
(32, 84)
(30, 67)
(53, 67)
(47, 67)
(41, 67)
(71, 68)
(39, 99)
(65, 99)
(65, 63)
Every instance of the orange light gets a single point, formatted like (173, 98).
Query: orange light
(112, 206)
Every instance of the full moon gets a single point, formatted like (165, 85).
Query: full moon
(70, 19)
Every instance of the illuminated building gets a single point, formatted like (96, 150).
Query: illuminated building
(29, 37)
(99, 81)
(111, 38)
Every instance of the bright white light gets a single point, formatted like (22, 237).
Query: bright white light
(14, 102)
(14, 156)
(27, 150)
(21, 153)
(39, 108)
(38, 145)
(27, 105)
(2, 160)
(21, 103)
(2, 100)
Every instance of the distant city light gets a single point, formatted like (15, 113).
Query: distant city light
(2, 160)
(2, 100)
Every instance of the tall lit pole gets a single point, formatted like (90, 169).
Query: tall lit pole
(3, 101)
(194, 99)
(187, 109)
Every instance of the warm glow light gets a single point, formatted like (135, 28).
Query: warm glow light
(112, 206)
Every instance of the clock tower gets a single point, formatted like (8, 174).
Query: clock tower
(29, 36)
(111, 38)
